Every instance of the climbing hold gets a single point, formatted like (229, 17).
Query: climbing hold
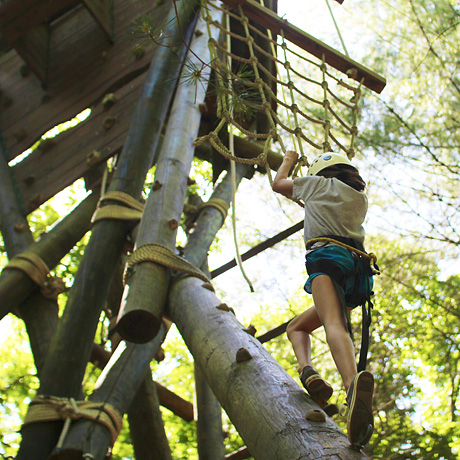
(315, 415)
(198, 33)
(109, 122)
(225, 307)
(93, 157)
(109, 100)
(208, 286)
(251, 330)
(243, 355)
(173, 224)
(157, 185)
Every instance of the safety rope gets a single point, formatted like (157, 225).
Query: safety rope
(36, 269)
(52, 408)
(131, 209)
(371, 256)
(159, 254)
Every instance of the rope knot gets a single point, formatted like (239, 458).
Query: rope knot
(68, 408)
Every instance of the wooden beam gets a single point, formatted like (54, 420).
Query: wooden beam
(334, 58)
(259, 248)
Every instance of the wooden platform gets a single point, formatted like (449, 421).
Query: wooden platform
(79, 78)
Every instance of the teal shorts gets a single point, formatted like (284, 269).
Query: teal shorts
(346, 263)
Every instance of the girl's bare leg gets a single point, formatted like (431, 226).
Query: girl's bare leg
(298, 332)
(331, 315)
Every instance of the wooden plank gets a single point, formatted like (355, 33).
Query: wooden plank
(334, 58)
(102, 11)
(48, 171)
(18, 18)
(80, 75)
(33, 47)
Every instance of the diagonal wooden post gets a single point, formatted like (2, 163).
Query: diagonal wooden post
(147, 285)
(40, 314)
(15, 285)
(264, 403)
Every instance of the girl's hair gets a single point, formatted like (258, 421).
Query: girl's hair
(345, 173)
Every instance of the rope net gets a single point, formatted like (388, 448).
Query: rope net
(302, 100)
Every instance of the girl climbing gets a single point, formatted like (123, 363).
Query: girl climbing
(335, 208)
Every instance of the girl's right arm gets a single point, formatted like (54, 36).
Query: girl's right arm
(281, 184)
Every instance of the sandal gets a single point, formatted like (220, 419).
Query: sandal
(316, 387)
(360, 422)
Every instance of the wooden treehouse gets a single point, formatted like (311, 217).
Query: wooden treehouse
(60, 58)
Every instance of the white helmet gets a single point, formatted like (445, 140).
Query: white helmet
(327, 159)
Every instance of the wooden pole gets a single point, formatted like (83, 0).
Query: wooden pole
(146, 424)
(39, 313)
(177, 405)
(72, 343)
(15, 285)
(146, 291)
(210, 219)
(263, 402)
(13, 223)
(210, 435)
(117, 385)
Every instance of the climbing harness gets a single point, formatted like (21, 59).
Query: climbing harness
(365, 266)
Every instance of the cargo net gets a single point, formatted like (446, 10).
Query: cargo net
(304, 100)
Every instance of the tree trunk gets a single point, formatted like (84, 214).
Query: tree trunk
(72, 344)
(147, 287)
(263, 402)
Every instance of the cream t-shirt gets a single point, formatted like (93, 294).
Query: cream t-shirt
(331, 207)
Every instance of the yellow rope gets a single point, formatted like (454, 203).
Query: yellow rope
(36, 269)
(371, 256)
(131, 209)
(162, 255)
(52, 408)
(217, 203)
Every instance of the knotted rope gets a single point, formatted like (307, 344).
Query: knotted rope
(162, 255)
(52, 408)
(36, 269)
(131, 209)
(217, 203)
